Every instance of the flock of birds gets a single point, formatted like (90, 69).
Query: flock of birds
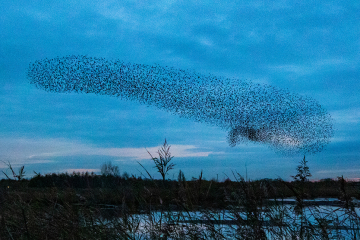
(289, 123)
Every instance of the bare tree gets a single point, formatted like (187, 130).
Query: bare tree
(109, 169)
(162, 163)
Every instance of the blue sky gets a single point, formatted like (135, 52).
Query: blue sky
(309, 48)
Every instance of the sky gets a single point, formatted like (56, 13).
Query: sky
(309, 48)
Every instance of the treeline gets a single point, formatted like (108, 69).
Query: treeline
(197, 191)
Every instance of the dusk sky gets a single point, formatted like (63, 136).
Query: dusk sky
(309, 48)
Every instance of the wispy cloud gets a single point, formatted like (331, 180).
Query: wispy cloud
(347, 115)
(342, 171)
(309, 68)
(141, 153)
(81, 170)
(31, 151)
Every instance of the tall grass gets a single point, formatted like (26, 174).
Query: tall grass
(88, 206)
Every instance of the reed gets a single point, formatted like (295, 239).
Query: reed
(110, 206)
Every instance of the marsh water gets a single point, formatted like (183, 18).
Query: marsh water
(317, 217)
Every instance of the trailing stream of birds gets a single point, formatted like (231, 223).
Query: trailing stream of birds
(287, 122)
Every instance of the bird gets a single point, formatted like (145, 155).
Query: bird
(286, 122)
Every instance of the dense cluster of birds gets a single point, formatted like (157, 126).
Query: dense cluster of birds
(287, 122)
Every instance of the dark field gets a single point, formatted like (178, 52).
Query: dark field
(89, 206)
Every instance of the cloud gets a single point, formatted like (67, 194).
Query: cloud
(340, 171)
(247, 37)
(310, 68)
(141, 153)
(33, 151)
(81, 170)
(351, 115)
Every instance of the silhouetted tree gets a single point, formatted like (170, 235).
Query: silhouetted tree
(109, 169)
(162, 163)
